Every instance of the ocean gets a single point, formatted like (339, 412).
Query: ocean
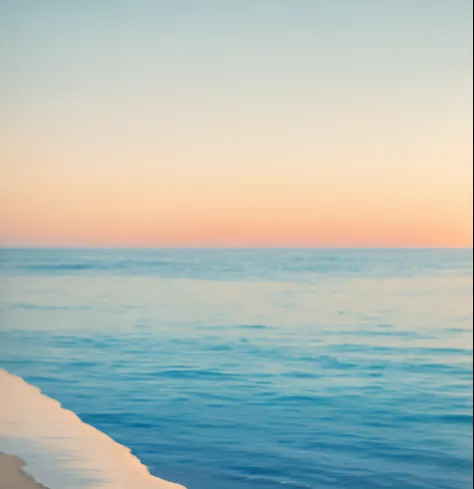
(248, 369)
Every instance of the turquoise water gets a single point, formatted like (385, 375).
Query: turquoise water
(233, 369)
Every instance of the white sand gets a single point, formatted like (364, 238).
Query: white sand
(59, 450)
(11, 475)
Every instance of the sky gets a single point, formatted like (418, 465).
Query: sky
(236, 123)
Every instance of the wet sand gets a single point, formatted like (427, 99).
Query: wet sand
(11, 475)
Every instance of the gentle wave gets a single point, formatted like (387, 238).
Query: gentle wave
(60, 451)
(222, 264)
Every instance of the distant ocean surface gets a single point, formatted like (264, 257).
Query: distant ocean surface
(256, 369)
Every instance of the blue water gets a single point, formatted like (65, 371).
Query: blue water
(255, 369)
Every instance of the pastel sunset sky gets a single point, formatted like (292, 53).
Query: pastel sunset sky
(322, 123)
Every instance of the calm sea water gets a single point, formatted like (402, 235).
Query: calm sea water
(255, 369)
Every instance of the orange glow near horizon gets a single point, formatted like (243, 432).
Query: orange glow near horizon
(229, 210)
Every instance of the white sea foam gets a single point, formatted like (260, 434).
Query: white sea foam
(60, 451)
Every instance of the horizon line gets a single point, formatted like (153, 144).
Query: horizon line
(130, 248)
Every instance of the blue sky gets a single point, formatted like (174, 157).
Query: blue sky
(329, 97)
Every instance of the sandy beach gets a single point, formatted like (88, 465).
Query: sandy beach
(11, 475)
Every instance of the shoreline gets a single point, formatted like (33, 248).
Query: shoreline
(38, 431)
(12, 475)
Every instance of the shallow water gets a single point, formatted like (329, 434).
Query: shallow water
(233, 369)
